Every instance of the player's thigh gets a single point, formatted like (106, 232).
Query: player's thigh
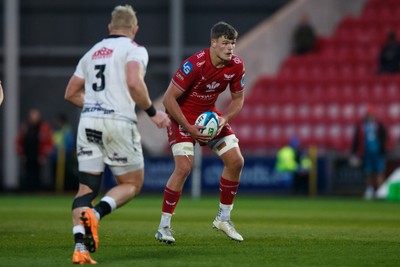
(227, 148)
(177, 134)
(223, 144)
(122, 146)
(89, 146)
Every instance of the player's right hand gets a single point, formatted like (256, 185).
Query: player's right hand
(194, 131)
(161, 119)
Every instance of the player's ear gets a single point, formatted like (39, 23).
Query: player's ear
(135, 29)
(213, 43)
(109, 27)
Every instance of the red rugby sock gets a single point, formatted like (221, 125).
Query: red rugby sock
(171, 199)
(228, 190)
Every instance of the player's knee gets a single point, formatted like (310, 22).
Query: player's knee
(83, 201)
(136, 187)
(183, 170)
(133, 187)
(132, 190)
(86, 196)
(93, 181)
(236, 164)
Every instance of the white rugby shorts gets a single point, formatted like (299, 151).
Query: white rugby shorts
(116, 143)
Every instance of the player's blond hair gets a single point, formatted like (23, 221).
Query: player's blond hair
(123, 17)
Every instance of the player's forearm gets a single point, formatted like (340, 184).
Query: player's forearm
(140, 95)
(233, 109)
(75, 91)
(173, 108)
(77, 99)
(136, 84)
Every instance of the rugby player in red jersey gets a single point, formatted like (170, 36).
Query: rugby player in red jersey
(194, 89)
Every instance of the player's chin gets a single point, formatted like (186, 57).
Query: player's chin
(228, 57)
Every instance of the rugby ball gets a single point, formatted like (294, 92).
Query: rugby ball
(209, 119)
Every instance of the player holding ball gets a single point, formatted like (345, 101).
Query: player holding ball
(193, 90)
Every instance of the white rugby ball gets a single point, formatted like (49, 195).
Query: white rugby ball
(209, 119)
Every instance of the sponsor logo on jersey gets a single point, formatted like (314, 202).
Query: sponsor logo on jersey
(201, 54)
(116, 158)
(211, 87)
(237, 60)
(97, 108)
(83, 152)
(183, 132)
(199, 64)
(187, 67)
(104, 52)
(179, 76)
(208, 97)
(229, 77)
(242, 81)
(94, 136)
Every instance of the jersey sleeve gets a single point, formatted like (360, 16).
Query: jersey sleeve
(139, 55)
(238, 83)
(79, 72)
(185, 75)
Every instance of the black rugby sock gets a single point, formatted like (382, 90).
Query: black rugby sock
(78, 237)
(103, 208)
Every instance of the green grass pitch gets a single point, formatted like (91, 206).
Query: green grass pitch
(277, 231)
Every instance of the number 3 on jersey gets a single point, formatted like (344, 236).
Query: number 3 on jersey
(100, 75)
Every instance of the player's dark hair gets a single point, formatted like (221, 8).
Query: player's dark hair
(223, 29)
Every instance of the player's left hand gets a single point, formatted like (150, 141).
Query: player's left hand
(194, 131)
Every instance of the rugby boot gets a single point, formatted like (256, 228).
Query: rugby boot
(82, 257)
(90, 222)
(228, 228)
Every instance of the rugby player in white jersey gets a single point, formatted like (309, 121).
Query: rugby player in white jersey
(107, 84)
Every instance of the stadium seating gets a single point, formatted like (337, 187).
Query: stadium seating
(320, 96)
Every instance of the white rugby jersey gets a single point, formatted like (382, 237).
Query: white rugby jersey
(103, 69)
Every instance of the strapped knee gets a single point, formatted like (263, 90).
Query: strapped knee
(94, 183)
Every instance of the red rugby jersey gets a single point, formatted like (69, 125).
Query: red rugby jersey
(202, 82)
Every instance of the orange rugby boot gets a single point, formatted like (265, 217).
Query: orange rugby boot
(90, 222)
(80, 257)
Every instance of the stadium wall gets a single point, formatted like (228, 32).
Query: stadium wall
(258, 176)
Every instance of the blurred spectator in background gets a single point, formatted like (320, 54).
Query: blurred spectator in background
(304, 37)
(63, 156)
(369, 149)
(291, 159)
(389, 57)
(34, 145)
(1, 94)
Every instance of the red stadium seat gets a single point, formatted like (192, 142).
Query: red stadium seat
(319, 97)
